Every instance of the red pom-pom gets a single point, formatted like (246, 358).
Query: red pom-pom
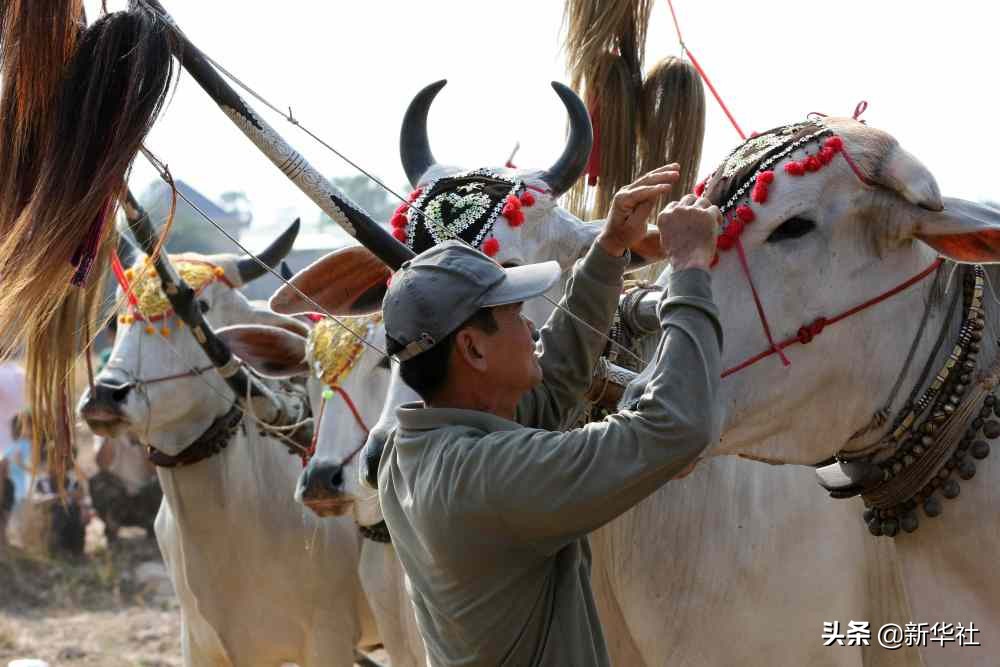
(401, 209)
(811, 163)
(724, 242)
(766, 177)
(400, 234)
(715, 260)
(826, 154)
(759, 193)
(515, 218)
(527, 199)
(794, 169)
(416, 194)
(316, 317)
(513, 201)
(734, 228)
(491, 246)
(700, 188)
(398, 220)
(835, 143)
(745, 214)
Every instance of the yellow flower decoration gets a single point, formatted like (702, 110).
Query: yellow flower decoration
(333, 351)
(152, 303)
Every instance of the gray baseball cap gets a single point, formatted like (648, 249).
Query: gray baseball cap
(435, 292)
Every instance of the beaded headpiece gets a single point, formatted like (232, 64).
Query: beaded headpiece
(465, 206)
(746, 174)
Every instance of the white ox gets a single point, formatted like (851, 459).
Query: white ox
(260, 581)
(822, 243)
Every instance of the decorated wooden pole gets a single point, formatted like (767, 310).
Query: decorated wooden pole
(329, 198)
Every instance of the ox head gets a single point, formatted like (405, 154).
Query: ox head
(530, 226)
(348, 380)
(147, 387)
(830, 213)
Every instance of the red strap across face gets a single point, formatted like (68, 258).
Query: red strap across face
(319, 420)
(807, 332)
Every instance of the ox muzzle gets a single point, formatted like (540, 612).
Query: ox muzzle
(103, 405)
(321, 488)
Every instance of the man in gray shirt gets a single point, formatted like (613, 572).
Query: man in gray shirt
(488, 502)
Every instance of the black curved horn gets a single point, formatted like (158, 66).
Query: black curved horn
(414, 146)
(561, 176)
(250, 269)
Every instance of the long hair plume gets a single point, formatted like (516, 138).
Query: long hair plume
(111, 90)
(37, 39)
(672, 121)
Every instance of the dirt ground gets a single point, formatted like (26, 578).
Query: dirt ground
(110, 608)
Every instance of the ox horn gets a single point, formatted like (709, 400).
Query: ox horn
(903, 173)
(561, 176)
(414, 146)
(250, 269)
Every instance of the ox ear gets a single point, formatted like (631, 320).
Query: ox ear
(963, 231)
(271, 351)
(349, 281)
(645, 251)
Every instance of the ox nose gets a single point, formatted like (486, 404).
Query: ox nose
(105, 400)
(109, 393)
(321, 479)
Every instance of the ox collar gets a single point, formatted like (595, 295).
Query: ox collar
(935, 436)
(211, 442)
(378, 532)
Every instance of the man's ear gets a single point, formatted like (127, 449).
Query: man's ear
(469, 348)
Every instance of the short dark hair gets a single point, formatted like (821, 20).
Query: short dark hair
(427, 372)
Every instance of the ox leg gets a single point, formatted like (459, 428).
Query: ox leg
(384, 585)
(332, 647)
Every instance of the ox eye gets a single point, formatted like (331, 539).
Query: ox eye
(792, 228)
(203, 305)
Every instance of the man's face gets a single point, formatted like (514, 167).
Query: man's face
(509, 353)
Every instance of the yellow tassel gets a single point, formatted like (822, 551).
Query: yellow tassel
(129, 319)
(151, 273)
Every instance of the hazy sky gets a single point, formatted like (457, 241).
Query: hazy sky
(349, 68)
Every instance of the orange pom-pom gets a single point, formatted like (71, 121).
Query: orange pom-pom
(219, 271)
(150, 329)
(491, 247)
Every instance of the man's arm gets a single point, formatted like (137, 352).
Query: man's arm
(569, 347)
(549, 488)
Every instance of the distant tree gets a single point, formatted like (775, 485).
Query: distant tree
(366, 193)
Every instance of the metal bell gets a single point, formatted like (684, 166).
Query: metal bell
(910, 522)
(967, 469)
(932, 506)
(951, 489)
(980, 449)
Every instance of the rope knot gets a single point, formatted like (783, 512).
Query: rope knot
(810, 331)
